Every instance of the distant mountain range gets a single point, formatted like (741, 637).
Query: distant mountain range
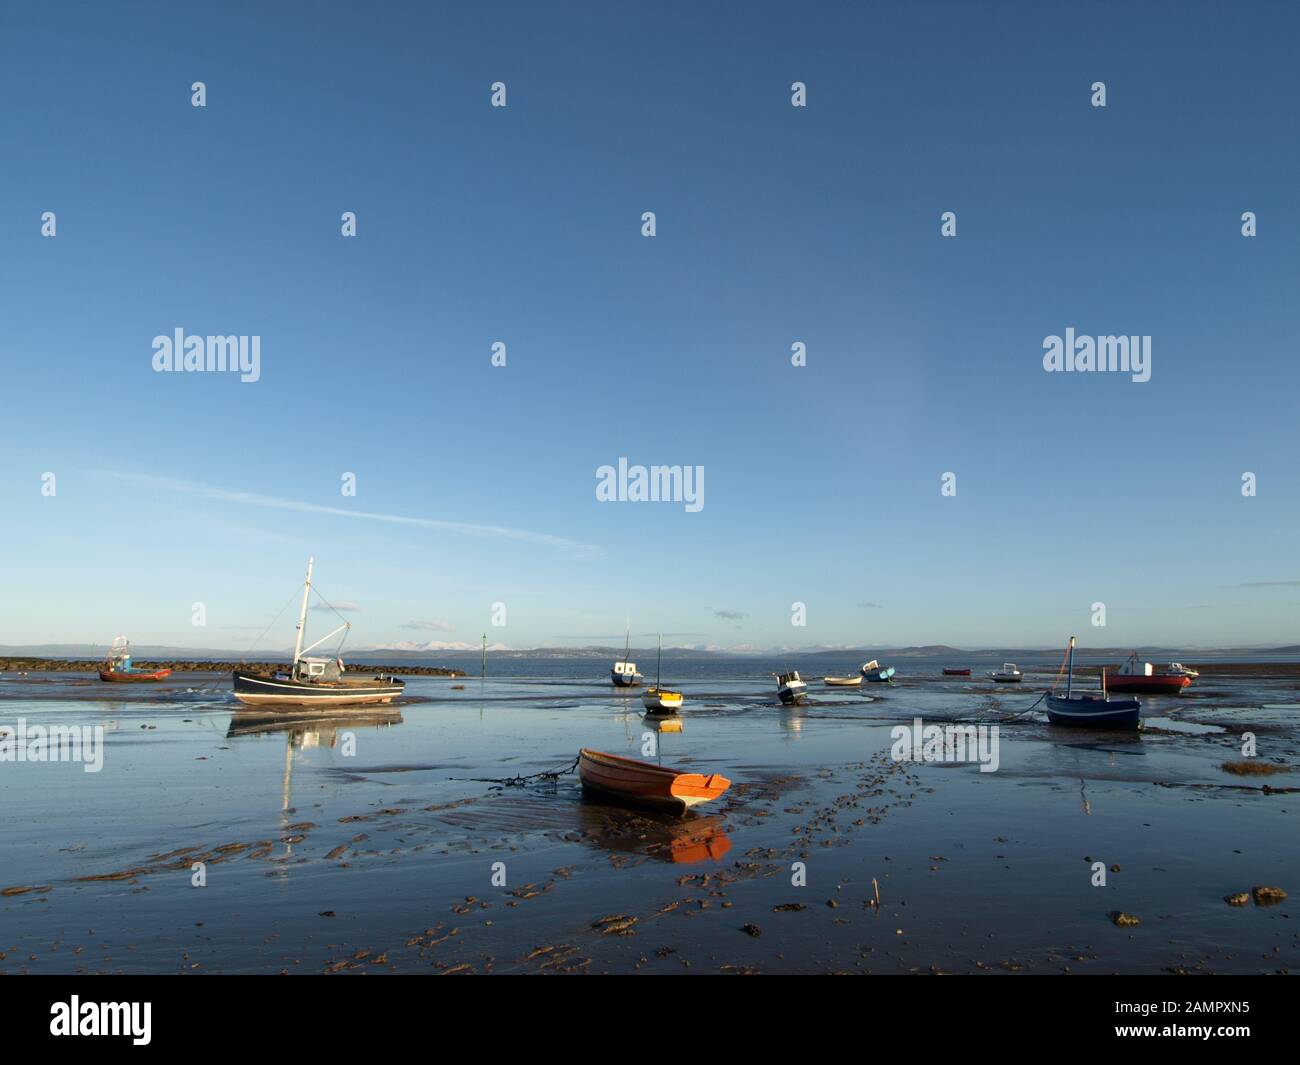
(431, 653)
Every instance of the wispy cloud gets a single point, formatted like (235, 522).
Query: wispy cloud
(728, 615)
(1270, 584)
(426, 626)
(871, 606)
(571, 548)
(339, 608)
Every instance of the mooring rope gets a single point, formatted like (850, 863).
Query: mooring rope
(1020, 713)
(522, 781)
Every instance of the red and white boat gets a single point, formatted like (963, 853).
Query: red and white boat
(119, 669)
(1136, 676)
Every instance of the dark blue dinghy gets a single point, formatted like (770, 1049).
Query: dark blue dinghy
(1092, 709)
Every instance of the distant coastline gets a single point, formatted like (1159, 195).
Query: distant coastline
(89, 665)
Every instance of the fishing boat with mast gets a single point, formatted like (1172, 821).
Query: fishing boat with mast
(118, 667)
(659, 700)
(624, 674)
(1090, 709)
(314, 681)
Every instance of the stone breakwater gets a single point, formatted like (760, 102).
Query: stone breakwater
(86, 665)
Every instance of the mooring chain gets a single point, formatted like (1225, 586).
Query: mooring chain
(523, 781)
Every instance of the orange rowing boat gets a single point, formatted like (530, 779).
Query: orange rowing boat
(647, 785)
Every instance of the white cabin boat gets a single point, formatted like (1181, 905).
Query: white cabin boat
(1008, 674)
(624, 674)
(791, 687)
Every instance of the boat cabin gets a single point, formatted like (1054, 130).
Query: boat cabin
(1134, 668)
(625, 669)
(786, 679)
(319, 669)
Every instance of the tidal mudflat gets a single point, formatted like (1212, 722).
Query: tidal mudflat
(376, 842)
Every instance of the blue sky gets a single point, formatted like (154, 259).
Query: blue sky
(775, 224)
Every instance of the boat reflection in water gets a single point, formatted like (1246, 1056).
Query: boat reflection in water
(303, 730)
(792, 721)
(663, 839)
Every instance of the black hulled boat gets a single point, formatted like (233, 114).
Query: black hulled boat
(313, 681)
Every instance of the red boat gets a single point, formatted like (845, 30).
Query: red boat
(118, 667)
(1135, 676)
(956, 672)
(129, 676)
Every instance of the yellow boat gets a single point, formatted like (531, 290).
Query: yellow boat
(659, 700)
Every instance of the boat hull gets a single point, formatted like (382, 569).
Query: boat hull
(1090, 712)
(142, 676)
(842, 682)
(1154, 685)
(792, 696)
(661, 701)
(881, 676)
(1006, 680)
(956, 672)
(644, 784)
(256, 689)
(624, 680)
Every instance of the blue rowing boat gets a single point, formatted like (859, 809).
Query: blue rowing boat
(1091, 710)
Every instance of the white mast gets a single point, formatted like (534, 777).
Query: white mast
(302, 617)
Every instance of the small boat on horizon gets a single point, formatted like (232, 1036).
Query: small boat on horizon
(119, 669)
(645, 784)
(873, 672)
(658, 700)
(624, 674)
(791, 687)
(1091, 709)
(1008, 674)
(956, 672)
(843, 682)
(1135, 676)
(313, 681)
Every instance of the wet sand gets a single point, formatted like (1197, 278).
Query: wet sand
(364, 843)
